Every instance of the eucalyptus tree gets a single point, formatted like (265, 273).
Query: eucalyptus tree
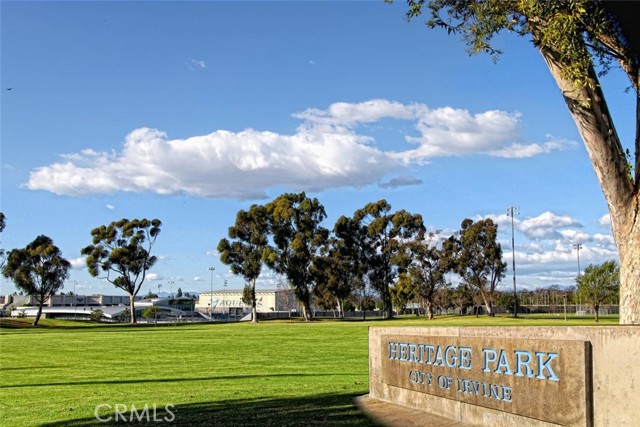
(476, 256)
(599, 283)
(38, 269)
(429, 265)
(295, 228)
(336, 271)
(121, 254)
(574, 37)
(244, 252)
(382, 236)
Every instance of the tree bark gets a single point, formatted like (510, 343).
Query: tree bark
(39, 314)
(306, 310)
(132, 309)
(590, 113)
(429, 310)
(254, 310)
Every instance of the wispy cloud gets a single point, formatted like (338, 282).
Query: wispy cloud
(401, 181)
(195, 64)
(326, 151)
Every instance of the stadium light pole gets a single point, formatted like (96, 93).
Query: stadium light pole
(513, 210)
(578, 246)
(211, 294)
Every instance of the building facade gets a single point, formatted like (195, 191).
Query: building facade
(267, 300)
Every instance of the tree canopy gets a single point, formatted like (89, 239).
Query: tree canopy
(598, 283)
(38, 269)
(244, 253)
(295, 226)
(121, 254)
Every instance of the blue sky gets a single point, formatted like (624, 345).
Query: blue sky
(190, 111)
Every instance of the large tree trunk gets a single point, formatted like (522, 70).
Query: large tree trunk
(132, 309)
(429, 308)
(591, 115)
(38, 315)
(254, 309)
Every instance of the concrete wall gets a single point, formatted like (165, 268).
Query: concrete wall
(615, 356)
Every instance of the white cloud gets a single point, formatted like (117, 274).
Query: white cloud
(110, 207)
(198, 279)
(327, 151)
(546, 225)
(605, 221)
(78, 263)
(154, 277)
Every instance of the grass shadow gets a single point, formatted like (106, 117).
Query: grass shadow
(318, 410)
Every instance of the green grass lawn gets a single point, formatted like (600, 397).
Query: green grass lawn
(275, 373)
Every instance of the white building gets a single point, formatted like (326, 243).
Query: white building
(230, 301)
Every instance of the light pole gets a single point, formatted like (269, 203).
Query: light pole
(212, 269)
(171, 282)
(513, 210)
(578, 246)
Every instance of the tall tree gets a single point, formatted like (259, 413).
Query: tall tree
(477, 257)
(573, 37)
(356, 252)
(294, 224)
(336, 272)
(244, 252)
(384, 238)
(599, 283)
(121, 254)
(39, 270)
(428, 269)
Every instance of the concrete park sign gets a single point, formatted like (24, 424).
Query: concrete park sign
(541, 376)
(526, 377)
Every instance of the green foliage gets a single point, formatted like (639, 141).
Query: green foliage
(96, 315)
(294, 224)
(476, 256)
(579, 31)
(337, 272)
(245, 252)
(179, 293)
(598, 283)
(121, 253)
(403, 292)
(428, 268)
(39, 270)
(150, 312)
(381, 237)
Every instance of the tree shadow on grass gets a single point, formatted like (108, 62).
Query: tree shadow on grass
(317, 410)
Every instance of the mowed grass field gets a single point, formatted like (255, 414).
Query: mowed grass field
(276, 373)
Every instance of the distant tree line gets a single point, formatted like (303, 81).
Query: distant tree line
(376, 254)
(376, 258)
